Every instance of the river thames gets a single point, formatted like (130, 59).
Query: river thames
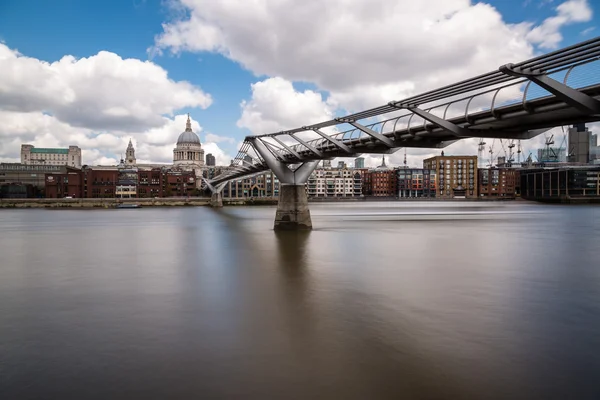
(398, 300)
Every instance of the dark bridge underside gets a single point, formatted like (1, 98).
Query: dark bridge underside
(516, 121)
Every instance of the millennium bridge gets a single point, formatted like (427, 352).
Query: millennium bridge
(516, 101)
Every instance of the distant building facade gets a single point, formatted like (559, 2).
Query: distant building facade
(31, 155)
(121, 182)
(210, 160)
(341, 182)
(27, 178)
(594, 149)
(579, 144)
(359, 162)
(456, 175)
(381, 181)
(556, 184)
(416, 183)
(265, 184)
(497, 182)
(552, 154)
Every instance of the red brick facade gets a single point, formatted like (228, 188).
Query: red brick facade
(102, 183)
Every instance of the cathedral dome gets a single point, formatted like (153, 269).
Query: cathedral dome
(188, 136)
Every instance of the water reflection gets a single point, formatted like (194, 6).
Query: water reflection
(382, 300)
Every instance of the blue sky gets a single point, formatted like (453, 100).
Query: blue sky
(226, 67)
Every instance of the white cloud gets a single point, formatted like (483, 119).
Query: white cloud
(100, 92)
(548, 35)
(359, 50)
(211, 137)
(221, 157)
(276, 106)
(587, 31)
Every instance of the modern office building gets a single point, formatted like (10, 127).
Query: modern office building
(560, 184)
(456, 175)
(210, 160)
(594, 149)
(552, 154)
(579, 144)
(359, 162)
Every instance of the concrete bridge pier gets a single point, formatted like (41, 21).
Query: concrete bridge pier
(216, 200)
(216, 197)
(292, 208)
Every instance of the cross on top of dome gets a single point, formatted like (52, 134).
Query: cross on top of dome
(188, 136)
(188, 125)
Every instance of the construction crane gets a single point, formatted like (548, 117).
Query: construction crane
(511, 155)
(491, 151)
(480, 150)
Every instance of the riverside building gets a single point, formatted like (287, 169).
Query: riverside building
(456, 175)
(342, 182)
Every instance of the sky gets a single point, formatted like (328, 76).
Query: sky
(98, 73)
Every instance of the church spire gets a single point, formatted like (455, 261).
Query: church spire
(383, 161)
(188, 125)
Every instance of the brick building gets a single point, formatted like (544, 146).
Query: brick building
(456, 175)
(416, 182)
(110, 183)
(27, 176)
(497, 182)
(383, 181)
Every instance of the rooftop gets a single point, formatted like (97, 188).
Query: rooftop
(49, 151)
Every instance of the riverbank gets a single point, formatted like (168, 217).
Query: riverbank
(199, 201)
(102, 203)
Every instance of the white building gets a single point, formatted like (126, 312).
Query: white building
(188, 152)
(334, 183)
(71, 156)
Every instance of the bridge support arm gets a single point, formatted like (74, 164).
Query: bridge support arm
(377, 136)
(285, 146)
(280, 170)
(308, 146)
(337, 143)
(581, 101)
(451, 128)
(216, 198)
